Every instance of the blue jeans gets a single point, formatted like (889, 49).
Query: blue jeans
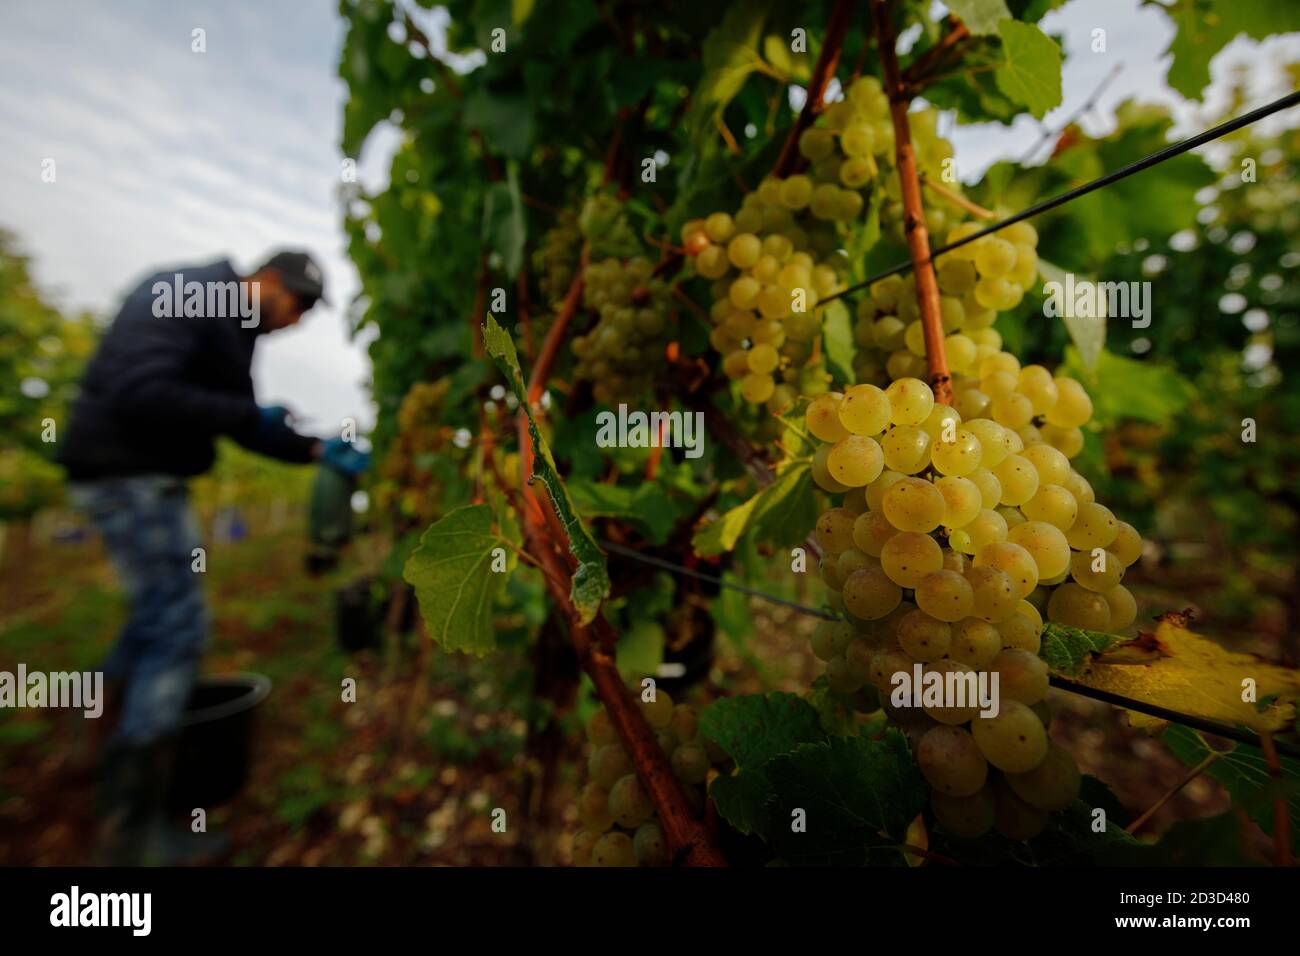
(150, 534)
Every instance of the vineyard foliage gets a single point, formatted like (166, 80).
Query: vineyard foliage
(561, 232)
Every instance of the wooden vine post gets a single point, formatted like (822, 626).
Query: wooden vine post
(918, 237)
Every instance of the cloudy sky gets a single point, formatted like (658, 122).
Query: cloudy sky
(169, 157)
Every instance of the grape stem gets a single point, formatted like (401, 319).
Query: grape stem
(918, 237)
(957, 199)
(836, 28)
(1191, 775)
(923, 69)
(1281, 816)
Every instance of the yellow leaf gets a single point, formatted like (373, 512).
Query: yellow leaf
(1183, 671)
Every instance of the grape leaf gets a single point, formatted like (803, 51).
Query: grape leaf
(1203, 32)
(980, 16)
(1087, 332)
(648, 505)
(1180, 670)
(754, 729)
(506, 122)
(590, 580)
(857, 795)
(454, 584)
(1067, 650)
(1031, 73)
(782, 511)
(1244, 772)
(730, 54)
(1127, 388)
(504, 227)
(837, 335)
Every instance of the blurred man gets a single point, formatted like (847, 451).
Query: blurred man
(170, 375)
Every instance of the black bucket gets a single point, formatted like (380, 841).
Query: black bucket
(356, 616)
(212, 756)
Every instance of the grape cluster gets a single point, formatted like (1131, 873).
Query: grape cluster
(623, 351)
(604, 225)
(954, 534)
(403, 479)
(556, 259)
(620, 825)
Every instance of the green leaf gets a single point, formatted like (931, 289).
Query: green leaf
(1244, 772)
(590, 580)
(504, 227)
(1127, 388)
(837, 335)
(1067, 650)
(453, 581)
(505, 121)
(730, 54)
(980, 16)
(1031, 73)
(783, 511)
(647, 505)
(753, 730)
(1087, 332)
(857, 794)
(1203, 31)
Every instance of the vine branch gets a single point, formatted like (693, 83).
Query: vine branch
(836, 28)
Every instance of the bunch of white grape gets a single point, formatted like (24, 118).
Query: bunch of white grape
(952, 536)
(620, 825)
(934, 163)
(621, 354)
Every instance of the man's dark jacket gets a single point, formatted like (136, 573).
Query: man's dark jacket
(160, 390)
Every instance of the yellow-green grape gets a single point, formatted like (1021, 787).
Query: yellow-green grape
(903, 364)
(821, 471)
(796, 192)
(1013, 741)
(629, 804)
(1022, 676)
(712, 262)
(1123, 609)
(607, 763)
(649, 845)
(1019, 631)
(1014, 410)
(1036, 383)
(823, 641)
(1053, 504)
(1052, 785)
(958, 457)
(1019, 480)
(763, 359)
(815, 144)
(691, 763)
(1014, 818)
(1096, 570)
(1053, 467)
(999, 362)
(1013, 560)
(989, 487)
(955, 275)
(865, 410)
(998, 384)
(823, 417)
(744, 250)
(1073, 407)
(782, 399)
(829, 567)
(974, 642)
(922, 637)
(658, 711)
(945, 595)
(937, 424)
(1068, 441)
(957, 677)
(834, 530)
(685, 722)
(757, 388)
(966, 817)
(962, 500)
(914, 338)
(995, 257)
(914, 504)
(952, 316)
(986, 528)
(600, 729)
(951, 762)
(852, 560)
(971, 403)
(870, 595)
(855, 461)
(614, 849)
(1031, 613)
(583, 843)
(909, 556)
(1094, 527)
(910, 401)
(961, 352)
(1046, 544)
(885, 664)
(956, 561)
(838, 677)
(719, 226)
(871, 530)
(1078, 607)
(996, 596)
(1012, 515)
(887, 334)
(875, 493)
(906, 449)
(1078, 486)
(593, 808)
(1127, 545)
(857, 659)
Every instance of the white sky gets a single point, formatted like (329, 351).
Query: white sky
(168, 157)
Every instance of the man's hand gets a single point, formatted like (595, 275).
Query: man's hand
(343, 457)
(273, 429)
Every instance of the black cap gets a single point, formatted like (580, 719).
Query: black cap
(299, 273)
